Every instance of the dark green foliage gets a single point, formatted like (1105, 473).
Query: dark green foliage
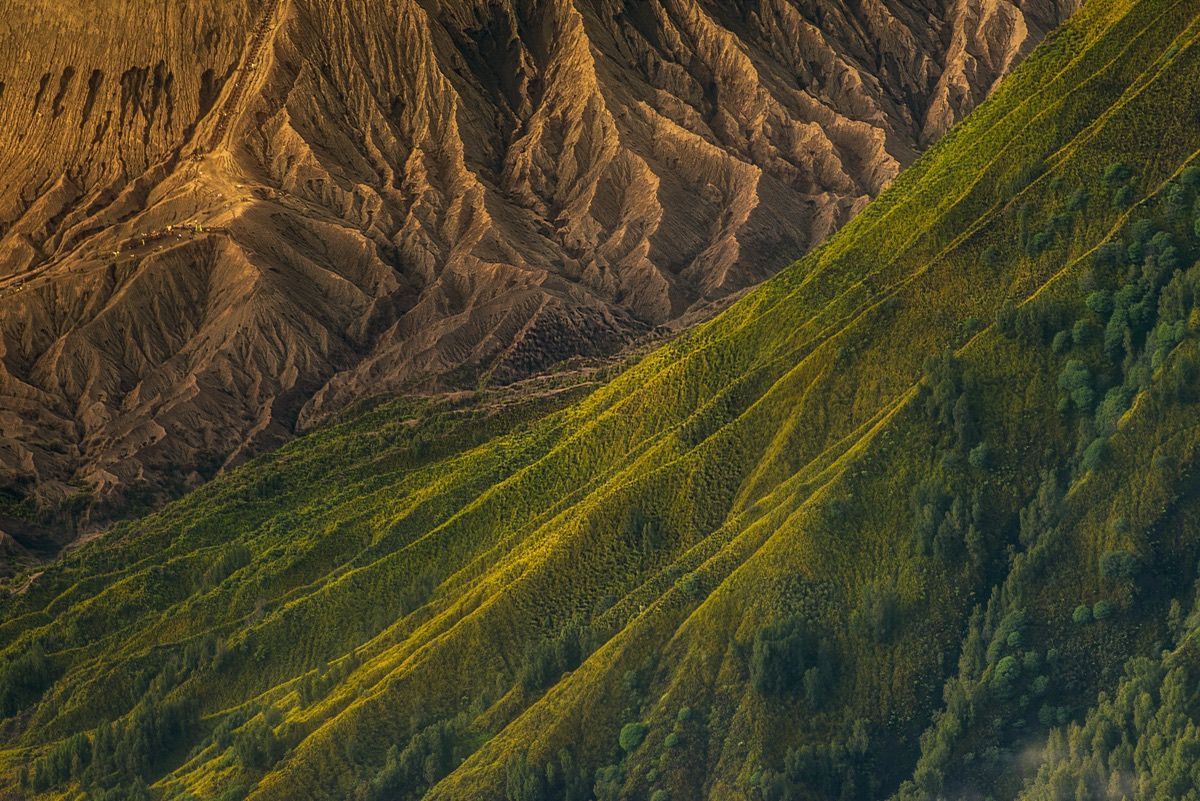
(787, 658)
(632, 735)
(1006, 318)
(1134, 742)
(841, 769)
(1117, 173)
(232, 559)
(24, 679)
(1120, 565)
(1094, 455)
(609, 780)
(777, 657)
(524, 781)
(877, 617)
(553, 657)
(1005, 675)
(430, 755)
(1100, 303)
(1082, 614)
(130, 747)
(1075, 381)
(256, 745)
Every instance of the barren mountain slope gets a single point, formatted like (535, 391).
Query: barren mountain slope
(220, 220)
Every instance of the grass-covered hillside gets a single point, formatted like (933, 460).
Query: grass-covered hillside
(918, 518)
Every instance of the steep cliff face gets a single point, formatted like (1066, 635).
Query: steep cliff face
(219, 221)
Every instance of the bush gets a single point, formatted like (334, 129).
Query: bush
(1083, 332)
(1100, 303)
(256, 745)
(1061, 342)
(980, 456)
(1007, 671)
(1075, 381)
(1119, 564)
(632, 735)
(1082, 614)
(1094, 456)
(777, 658)
(523, 780)
(1102, 610)
(554, 656)
(1190, 177)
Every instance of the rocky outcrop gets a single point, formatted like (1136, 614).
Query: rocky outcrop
(219, 221)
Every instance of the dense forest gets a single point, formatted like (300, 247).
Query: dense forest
(915, 519)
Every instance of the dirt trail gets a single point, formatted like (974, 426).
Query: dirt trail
(246, 72)
(27, 583)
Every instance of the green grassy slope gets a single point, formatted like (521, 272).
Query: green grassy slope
(884, 527)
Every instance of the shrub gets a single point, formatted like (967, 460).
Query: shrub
(692, 585)
(1190, 177)
(1082, 614)
(1007, 671)
(1075, 381)
(1094, 456)
(256, 746)
(1119, 564)
(1107, 256)
(1102, 610)
(523, 781)
(980, 456)
(777, 658)
(632, 735)
(1100, 302)
(1083, 332)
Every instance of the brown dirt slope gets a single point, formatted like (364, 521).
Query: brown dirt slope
(219, 221)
